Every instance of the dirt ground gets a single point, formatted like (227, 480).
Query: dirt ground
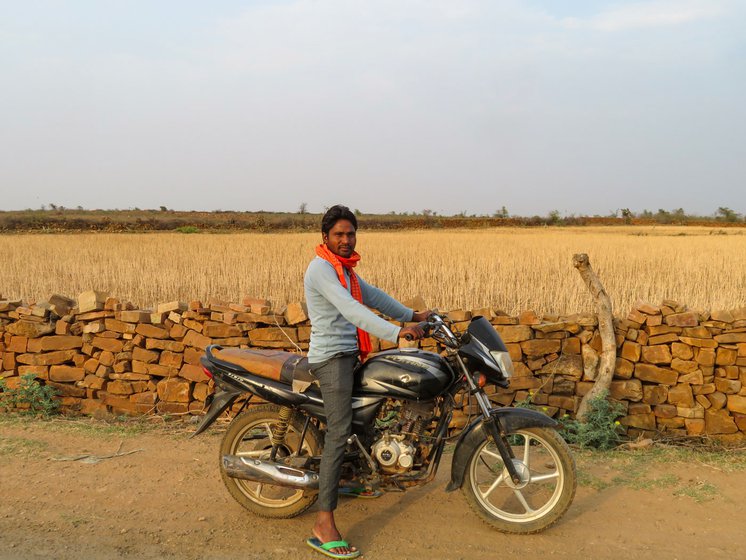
(166, 500)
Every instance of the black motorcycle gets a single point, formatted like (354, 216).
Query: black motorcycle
(514, 469)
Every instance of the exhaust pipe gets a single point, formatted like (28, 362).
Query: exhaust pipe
(267, 472)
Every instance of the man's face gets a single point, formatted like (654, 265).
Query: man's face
(341, 239)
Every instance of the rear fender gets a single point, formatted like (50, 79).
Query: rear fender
(509, 420)
(221, 400)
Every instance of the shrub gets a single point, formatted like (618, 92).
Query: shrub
(30, 396)
(600, 430)
(187, 229)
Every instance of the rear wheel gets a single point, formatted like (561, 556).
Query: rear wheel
(547, 487)
(249, 435)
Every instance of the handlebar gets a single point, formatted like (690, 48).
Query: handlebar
(424, 325)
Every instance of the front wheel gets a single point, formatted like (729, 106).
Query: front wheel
(547, 487)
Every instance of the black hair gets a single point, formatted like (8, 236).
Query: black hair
(334, 214)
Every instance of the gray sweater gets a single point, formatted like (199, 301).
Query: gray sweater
(335, 314)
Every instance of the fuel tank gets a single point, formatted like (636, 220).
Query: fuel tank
(405, 374)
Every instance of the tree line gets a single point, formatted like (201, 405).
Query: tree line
(53, 217)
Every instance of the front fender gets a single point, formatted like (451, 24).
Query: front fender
(509, 420)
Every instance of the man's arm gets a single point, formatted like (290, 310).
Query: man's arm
(380, 300)
(324, 279)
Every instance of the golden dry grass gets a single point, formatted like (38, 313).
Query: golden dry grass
(508, 269)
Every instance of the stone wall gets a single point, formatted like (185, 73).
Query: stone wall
(677, 371)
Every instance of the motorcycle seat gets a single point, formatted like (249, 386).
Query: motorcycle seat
(271, 364)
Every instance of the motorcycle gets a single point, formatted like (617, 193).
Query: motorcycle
(514, 469)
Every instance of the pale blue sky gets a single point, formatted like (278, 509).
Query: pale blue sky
(584, 107)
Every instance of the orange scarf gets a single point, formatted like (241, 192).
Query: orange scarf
(340, 264)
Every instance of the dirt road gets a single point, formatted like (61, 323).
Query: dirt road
(166, 500)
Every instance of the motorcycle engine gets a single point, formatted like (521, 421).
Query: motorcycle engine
(399, 425)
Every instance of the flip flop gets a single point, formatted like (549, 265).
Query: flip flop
(360, 493)
(325, 548)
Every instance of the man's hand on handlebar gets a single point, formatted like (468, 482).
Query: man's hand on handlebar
(419, 316)
(414, 332)
(418, 331)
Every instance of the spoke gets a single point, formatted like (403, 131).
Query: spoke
(491, 454)
(259, 488)
(495, 484)
(526, 449)
(543, 477)
(269, 430)
(523, 501)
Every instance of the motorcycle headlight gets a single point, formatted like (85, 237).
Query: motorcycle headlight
(503, 360)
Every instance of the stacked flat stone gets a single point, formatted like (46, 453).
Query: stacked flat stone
(678, 371)
(692, 366)
(551, 357)
(102, 355)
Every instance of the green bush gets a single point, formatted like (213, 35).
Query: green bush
(600, 430)
(30, 396)
(187, 229)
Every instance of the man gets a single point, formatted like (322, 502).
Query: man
(340, 323)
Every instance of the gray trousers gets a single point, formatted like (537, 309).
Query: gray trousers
(335, 379)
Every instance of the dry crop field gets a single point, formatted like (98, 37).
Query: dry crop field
(512, 269)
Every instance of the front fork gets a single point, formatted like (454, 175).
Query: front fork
(491, 423)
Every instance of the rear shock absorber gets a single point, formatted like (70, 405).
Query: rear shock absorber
(281, 428)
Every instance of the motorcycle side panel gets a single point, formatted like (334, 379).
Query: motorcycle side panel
(404, 374)
(510, 419)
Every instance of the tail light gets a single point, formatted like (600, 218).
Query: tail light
(207, 372)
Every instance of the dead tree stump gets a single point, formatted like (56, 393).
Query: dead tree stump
(607, 362)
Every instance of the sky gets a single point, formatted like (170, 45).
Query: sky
(583, 107)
